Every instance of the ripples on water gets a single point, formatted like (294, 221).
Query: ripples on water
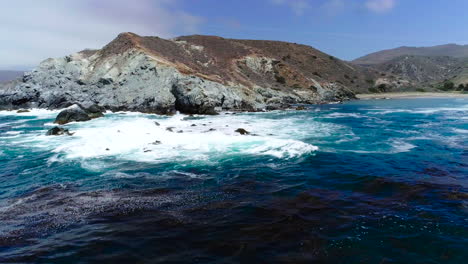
(363, 182)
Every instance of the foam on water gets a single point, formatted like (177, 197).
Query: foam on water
(137, 137)
(42, 113)
(129, 136)
(460, 131)
(425, 110)
(344, 115)
(399, 146)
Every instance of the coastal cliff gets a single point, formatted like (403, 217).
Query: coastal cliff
(191, 74)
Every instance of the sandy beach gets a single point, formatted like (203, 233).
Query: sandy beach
(410, 95)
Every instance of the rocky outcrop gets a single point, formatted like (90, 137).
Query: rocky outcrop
(78, 113)
(242, 131)
(58, 131)
(193, 74)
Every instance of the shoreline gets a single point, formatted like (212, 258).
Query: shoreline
(298, 107)
(410, 95)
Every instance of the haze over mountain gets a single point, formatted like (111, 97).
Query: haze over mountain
(10, 75)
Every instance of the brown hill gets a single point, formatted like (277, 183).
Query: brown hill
(230, 61)
(194, 74)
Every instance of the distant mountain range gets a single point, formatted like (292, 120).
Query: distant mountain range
(451, 50)
(433, 68)
(6, 76)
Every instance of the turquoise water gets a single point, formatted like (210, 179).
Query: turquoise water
(376, 181)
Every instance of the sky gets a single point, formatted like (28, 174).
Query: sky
(32, 30)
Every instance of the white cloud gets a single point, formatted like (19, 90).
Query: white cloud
(334, 7)
(380, 6)
(32, 30)
(298, 6)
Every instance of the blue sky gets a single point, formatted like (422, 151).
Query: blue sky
(31, 30)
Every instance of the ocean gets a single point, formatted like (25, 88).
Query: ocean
(370, 181)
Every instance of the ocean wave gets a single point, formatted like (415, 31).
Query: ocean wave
(156, 139)
(14, 133)
(36, 112)
(392, 146)
(384, 111)
(460, 130)
(344, 115)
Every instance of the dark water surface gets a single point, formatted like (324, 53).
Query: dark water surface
(363, 182)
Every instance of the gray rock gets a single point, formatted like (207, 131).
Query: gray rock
(58, 131)
(242, 131)
(77, 113)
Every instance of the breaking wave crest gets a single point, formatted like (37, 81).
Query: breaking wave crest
(151, 138)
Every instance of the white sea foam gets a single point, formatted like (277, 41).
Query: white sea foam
(392, 146)
(134, 136)
(42, 113)
(399, 146)
(460, 131)
(425, 110)
(344, 115)
(13, 132)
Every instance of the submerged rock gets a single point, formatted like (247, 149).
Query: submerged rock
(59, 131)
(95, 111)
(301, 108)
(23, 111)
(77, 113)
(242, 131)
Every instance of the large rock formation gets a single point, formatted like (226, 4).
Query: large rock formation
(79, 113)
(193, 74)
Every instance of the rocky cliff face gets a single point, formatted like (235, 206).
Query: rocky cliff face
(193, 74)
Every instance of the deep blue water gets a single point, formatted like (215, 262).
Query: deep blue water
(376, 181)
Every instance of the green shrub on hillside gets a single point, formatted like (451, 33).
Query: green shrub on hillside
(373, 90)
(382, 87)
(447, 86)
